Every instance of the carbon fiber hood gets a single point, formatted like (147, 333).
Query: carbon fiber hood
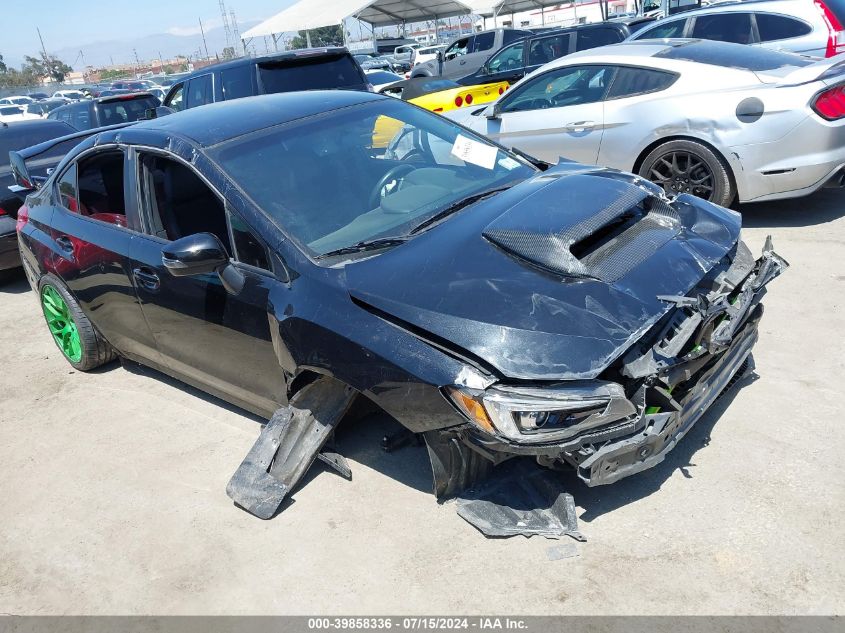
(552, 279)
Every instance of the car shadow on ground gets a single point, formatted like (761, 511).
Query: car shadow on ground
(13, 282)
(822, 207)
(149, 372)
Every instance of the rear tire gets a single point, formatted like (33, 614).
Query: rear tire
(81, 345)
(685, 166)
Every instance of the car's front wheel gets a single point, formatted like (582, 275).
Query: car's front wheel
(73, 333)
(683, 166)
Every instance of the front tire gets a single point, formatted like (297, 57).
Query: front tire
(81, 345)
(685, 166)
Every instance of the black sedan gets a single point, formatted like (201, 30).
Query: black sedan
(290, 253)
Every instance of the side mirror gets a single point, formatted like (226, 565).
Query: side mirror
(197, 254)
(201, 254)
(20, 172)
(493, 111)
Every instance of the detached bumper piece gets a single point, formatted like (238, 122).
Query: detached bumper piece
(518, 500)
(703, 350)
(288, 445)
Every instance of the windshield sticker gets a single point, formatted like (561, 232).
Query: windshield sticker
(471, 151)
(509, 163)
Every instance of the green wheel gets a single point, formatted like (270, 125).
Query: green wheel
(73, 333)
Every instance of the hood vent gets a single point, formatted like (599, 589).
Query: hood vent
(601, 234)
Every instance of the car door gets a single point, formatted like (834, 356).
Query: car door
(506, 65)
(453, 57)
(631, 113)
(556, 114)
(91, 232)
(218, 341)
(481, 46)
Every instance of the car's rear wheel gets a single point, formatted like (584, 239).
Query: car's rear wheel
(73, 333)
(683, 166)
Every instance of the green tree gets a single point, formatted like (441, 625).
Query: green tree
(2, 65)
(323, 36)
(111, 73)
(46, 66)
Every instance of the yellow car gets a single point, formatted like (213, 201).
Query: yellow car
(435, 94)
(442, 95)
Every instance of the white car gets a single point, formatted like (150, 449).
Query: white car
(11, 113)
(73, 95)
(16, 100)
(425, 54)
(378, 79)
(720, 121)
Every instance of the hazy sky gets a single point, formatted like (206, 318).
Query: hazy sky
(70, 23)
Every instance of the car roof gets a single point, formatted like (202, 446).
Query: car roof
(217, 122)
(677, 54)
(241, 61)
(738, 5)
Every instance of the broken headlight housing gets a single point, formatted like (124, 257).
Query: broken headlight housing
(545, 414)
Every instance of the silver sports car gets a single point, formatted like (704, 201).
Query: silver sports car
(714, 119)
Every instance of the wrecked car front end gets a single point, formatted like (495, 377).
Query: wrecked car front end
(635, 410)
(608, 430)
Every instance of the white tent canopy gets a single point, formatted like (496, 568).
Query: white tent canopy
(312, 14)
(488, 8)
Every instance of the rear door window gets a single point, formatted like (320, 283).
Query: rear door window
(672, 28)
(586, 39)
(310, 73)
(545, 49)
(237, 82)
(484, 42)
(772, 27)
(81, 118)
(200, 91)
(724, 27)
(630, 81)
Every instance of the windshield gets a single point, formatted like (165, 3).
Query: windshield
(369, 171)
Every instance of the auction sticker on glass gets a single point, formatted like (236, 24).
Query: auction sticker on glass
(471, 151)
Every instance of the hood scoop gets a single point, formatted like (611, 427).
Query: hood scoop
(583, 226)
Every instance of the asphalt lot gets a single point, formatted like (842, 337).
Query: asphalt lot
(113, 489)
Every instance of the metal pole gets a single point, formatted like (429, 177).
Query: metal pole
(307, 38)
(203, 38)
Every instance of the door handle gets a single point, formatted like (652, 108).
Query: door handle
(580, 126)
(65, 243)
(146, 278)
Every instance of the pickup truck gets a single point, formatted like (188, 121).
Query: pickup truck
(468, 53)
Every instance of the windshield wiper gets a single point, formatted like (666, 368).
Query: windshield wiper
(366, 245)
(539, 164)
(455, 207)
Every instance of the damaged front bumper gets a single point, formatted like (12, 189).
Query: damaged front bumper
(668, 380)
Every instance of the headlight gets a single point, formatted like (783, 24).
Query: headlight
(545, 414)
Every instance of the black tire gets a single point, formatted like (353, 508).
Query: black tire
(685, 166)
(96, 350)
